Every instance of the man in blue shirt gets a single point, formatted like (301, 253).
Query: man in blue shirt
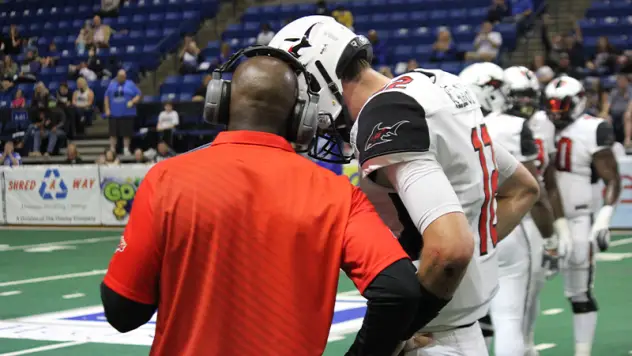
(120, 102)
(9, 157)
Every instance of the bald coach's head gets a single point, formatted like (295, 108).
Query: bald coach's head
(263, 94)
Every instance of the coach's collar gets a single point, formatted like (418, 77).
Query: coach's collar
(243, 137)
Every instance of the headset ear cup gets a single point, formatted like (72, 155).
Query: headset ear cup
(306, 119)
(224, 108)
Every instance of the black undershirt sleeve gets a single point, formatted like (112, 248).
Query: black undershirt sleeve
(122, 313)
(605, 134)
(393, 300)
(528, 146)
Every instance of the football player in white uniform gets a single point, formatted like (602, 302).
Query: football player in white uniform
(422, 145)
(520, 255)
(584, 154)
(487, 82)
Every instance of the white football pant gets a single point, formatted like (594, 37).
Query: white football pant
(456, 342)
(519, 266)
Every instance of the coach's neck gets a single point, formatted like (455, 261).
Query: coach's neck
(357, 92)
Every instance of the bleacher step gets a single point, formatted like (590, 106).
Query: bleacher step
(92, 142)
(96, 149)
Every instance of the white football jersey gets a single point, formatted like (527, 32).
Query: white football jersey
(514, 134)
(428, 116)
(576, 145)
(544, 134)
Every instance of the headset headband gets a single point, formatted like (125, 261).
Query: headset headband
(258, 50)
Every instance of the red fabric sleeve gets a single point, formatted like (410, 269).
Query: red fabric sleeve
(369, 246)
(134, 270)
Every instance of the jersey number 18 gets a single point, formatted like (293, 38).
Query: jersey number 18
(487, 219)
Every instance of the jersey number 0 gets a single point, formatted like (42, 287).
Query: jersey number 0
(487, 219)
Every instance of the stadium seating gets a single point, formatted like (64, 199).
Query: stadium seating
(612, 19)
(146, 30)
(408, 27)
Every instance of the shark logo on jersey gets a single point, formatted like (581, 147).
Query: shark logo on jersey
(381, 134)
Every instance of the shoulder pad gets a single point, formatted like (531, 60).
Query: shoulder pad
(391, 122)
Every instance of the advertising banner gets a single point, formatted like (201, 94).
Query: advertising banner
(52, 195)
(118, 188)
(2, 203)
(622, 218)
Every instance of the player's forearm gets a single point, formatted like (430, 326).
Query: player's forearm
(613, 191)
(393, 297)
(542, 214)
(515, 197)
(553, 192)
(441, 269)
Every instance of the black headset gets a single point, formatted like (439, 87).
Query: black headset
(302, 120)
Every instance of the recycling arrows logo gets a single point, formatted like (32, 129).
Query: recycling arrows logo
(53, 187)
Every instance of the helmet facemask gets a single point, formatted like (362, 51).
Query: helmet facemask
(524, 103)
(560, 111)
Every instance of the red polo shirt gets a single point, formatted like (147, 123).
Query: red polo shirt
(240, 245)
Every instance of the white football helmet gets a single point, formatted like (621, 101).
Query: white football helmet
(325, 48)
(523, 91)
(565, 100)
(486, 80)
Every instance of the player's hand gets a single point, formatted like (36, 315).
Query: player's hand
(130, 104)
(418, 341)
(601, 234)
(561, 241)
(551, 263)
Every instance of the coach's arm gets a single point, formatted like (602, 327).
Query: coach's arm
(379, 267)
(122, 313)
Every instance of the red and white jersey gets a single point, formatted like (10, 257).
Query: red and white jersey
(514, 134)
(576, 145)
(425, 129)
(544, 135)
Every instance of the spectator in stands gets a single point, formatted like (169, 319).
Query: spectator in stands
(604, 60)
(101, 33)
(168, 120)
(110, 158)
(64, 104)
(344, 16)
(386, 71)
(190, 57)
(18, 101)
(200, 92)
(593, 96)
(224, 53)
(380, 50)
(139, 157)
(553, 44)
(83, 103)
(41, 97)
(72, 156)
(498, 11)
(163, 152)
(522, 11)
(444, 48)
(618, 109)
(6, 86)
(51, 127)
(487, 44)
(31, 66)
(564, 67)
(573, 45)
(13, 45)
(120, 101)
(109, 8)
(9, 67)
(9, 157)
(321, 8)
(53, 56)
(265, 35)
(412, 65)
(84, 39)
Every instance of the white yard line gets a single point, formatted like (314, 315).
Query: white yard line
(73, 295)
(95, 272)
(94, 240)
(10, 293)
(621, 242)
(44, 348)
